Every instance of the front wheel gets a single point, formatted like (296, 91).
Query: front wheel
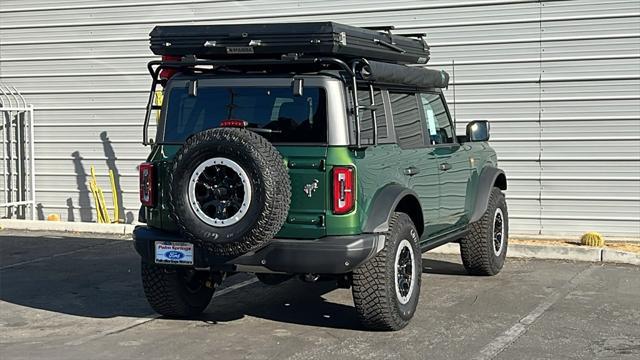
(176, 292)
(484, 249)
(387, 287)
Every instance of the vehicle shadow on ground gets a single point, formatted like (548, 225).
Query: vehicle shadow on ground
(293, 302)
(99, 278)
(296, 302)
(440, 267)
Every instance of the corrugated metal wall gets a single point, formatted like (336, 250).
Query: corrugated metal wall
(560, 81)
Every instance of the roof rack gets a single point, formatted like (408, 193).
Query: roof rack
(191, 61)
(370, 72)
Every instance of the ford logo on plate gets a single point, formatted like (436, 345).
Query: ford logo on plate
(174, 255)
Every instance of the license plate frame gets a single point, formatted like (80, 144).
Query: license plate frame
(173, 253)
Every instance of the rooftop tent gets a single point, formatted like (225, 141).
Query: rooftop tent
(253, 41)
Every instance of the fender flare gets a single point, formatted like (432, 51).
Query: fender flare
(383, 205)
(490, 177)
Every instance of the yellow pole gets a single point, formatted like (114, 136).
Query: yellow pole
(96, 200)
(101, 208)
(92, 185)
(114, 195)
(103, 204)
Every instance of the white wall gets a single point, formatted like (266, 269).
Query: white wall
(560, 81)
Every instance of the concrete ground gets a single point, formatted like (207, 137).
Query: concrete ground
(78, 298)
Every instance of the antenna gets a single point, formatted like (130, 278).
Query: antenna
(453, 63)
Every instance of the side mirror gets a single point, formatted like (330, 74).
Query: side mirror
(478, 130)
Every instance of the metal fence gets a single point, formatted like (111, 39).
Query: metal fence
(18, 163)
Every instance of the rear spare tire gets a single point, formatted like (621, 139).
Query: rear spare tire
(229, 190)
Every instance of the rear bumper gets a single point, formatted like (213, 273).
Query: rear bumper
(327, 255)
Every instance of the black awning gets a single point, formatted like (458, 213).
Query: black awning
(381, 72)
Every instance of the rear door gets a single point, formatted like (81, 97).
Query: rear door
(452, 161)
(295, 124)
(417, 162)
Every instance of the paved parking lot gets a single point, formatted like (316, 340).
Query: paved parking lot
(78, 298)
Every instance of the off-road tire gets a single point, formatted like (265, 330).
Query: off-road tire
(166, 291)
(477, 248)
(270, 189)
(374, 282)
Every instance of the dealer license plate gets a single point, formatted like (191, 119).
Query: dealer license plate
(174, 253)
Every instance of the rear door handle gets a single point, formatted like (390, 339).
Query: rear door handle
(445, 166)
(411, 170)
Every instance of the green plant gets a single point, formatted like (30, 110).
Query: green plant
(592, 238)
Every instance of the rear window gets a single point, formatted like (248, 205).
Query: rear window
(407, 121)
(274, 112)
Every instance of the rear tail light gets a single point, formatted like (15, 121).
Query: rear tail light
(343, 190)
(167, 73)
(147, 184)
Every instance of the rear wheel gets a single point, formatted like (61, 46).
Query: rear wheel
(176, 292)
(386, 288)
(484, 249)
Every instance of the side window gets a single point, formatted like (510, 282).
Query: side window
(366, 120)
(406, 120)
(438, 122)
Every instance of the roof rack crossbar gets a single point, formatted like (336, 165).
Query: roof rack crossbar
(248, 62)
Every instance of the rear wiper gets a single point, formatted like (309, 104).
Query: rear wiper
(260, 130)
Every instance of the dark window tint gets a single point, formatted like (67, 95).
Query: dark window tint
(438, 123)
(406, 120)
(289, 119)
(366, 118)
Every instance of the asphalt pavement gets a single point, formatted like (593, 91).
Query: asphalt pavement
(68, 298)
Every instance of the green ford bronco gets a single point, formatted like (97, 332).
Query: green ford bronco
(326, 158)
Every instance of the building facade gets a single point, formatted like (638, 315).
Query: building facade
(559, 81)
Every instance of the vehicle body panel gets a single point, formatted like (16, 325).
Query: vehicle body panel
(452, 185)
